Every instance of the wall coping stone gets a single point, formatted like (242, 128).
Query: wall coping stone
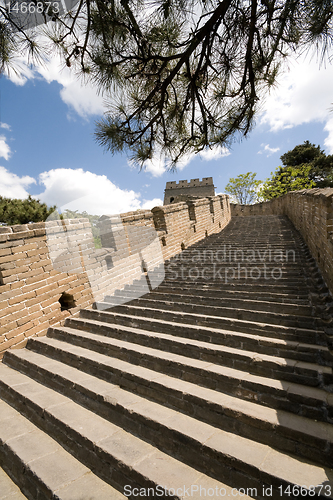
(172, 207)
(200, 201)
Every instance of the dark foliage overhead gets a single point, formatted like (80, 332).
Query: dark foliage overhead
(179, 75)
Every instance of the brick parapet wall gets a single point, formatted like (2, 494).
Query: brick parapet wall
(30, 287)
(311, 212)
(40, 262)
(182, 224)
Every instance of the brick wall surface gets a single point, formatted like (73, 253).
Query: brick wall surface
(31, 286)
(311, 212)
(182, 224)
(42, 261)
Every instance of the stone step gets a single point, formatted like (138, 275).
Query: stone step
(223, 290)
(228, 241)
(214, 258)
(8, 489)
(260, 364)
(282, 430)
(246, 239)
(253, 249)
(294, 270)
(174, 324)
(206, 293)
(121, 456)
(240, 322)
(311, 402)
(229, 278)
(38, 463)
(311, 353)
(234, 274)
(154, 298)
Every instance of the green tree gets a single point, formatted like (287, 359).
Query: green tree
(15, 211)
(321, 165)
(180, 75)
(305, 166)
(286, 179)
(244, 188)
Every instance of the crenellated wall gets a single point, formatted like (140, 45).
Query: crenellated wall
(176, 192)
(311, 212)
(50, 270)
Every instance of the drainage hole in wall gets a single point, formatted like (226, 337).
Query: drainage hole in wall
(66, 301)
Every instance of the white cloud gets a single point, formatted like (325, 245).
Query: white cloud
(5, 151)
(329, 139)
(157, 166)
(148, 204)
(22, 71)
(268, 149)
(13, 186)
(303, 95)
(83, 98)
(76, 190)
(83, 190)
(214, 153)
(5, 125)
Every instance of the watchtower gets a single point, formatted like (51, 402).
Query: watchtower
(183, 190)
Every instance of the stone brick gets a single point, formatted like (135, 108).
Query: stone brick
(32, 276)
(10, 310)
(22, 298)
(11, 342)
(7, 258)
(7, 328)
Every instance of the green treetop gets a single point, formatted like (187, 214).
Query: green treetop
(305, 167)
(244, 188)
(15, 211)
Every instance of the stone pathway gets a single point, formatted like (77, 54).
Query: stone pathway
(216, 384)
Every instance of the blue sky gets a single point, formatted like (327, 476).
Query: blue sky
(47, 145)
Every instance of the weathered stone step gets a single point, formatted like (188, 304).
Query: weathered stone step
(249, 238)
(209, 315)
(224, 279)
(222, 290)
(217, 293)
(177, 321)
(311, 353)
(208, 257)
(229, 277)
(230, 274)
(223, 240)
(282, 430)
(125, 460)
(260, 364)
(41, 466)
(228, 249)
(186, 263)
(228, 302)
(311, 402)
(8, 489)
(120, 455)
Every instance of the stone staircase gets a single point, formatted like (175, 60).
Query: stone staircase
(216, 384)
